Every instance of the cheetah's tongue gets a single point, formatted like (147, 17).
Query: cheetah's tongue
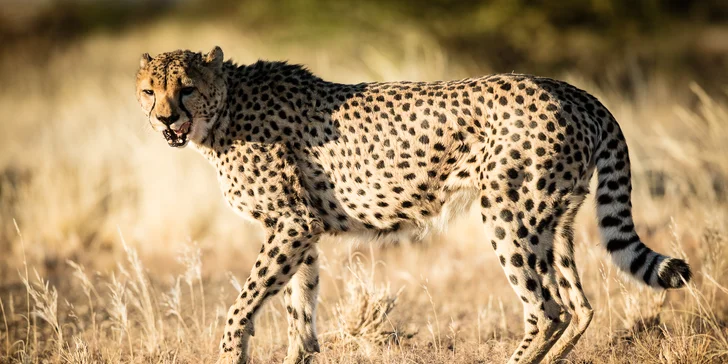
(183, 129)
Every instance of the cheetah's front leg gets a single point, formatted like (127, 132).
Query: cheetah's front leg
(300, 296)
(286, 248)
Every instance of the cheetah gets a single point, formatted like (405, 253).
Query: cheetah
(305, 158)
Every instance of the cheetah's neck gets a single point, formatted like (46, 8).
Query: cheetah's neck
(246, 83)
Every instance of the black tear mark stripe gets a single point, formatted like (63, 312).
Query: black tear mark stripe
(154, 104)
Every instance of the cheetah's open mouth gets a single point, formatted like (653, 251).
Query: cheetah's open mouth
(177, 138)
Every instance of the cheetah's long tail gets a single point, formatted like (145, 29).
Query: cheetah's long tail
(614, 210)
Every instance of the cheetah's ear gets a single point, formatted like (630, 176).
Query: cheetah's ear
(214, 58)
(144, 61)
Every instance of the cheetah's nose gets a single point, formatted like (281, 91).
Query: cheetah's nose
(183, 129)
(168, 120)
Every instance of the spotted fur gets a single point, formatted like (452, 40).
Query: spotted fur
(305, 157)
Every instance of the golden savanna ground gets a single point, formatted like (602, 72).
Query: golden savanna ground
(116, 248)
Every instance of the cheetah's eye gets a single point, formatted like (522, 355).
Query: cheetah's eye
(186, 91)
(148, 92)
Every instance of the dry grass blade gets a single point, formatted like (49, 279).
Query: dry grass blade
(363, 314)
(45, 300)
(173, 302)
(140, 295)
(6, 332)
(88, 289)
(118, 312)
(79, 354)
(191, 259)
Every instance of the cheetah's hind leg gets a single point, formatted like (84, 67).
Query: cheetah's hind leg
(526, 256)
(570, 287)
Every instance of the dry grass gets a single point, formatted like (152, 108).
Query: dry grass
(127, 250)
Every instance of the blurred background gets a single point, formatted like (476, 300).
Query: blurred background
(679, 38)
(77, 160)
(80, 169)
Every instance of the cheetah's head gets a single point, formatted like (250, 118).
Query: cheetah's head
(181, 93)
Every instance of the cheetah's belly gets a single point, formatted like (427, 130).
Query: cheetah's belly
(457, 203)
